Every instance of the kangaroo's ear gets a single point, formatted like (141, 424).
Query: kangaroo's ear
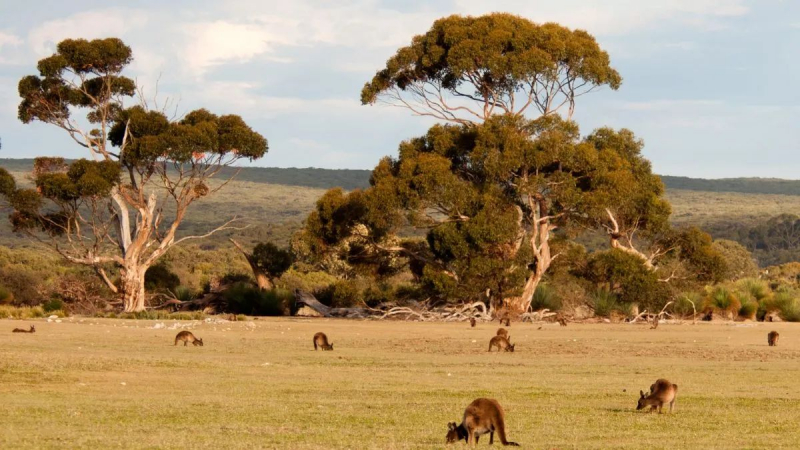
(641, 393)
(451, 426)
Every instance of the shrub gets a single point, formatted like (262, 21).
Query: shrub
(160, 278)
(545, 297)
(6, 296)
(341, 294)
(720, 299)
(24, 285)
(605, 303)
(53, 304)
(683, 304)
(786, 303)
(757, 289)
(244, 298)
(184, 294)
(24, 312)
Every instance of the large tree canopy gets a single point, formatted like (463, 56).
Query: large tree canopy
(124, 207)
(464, 69)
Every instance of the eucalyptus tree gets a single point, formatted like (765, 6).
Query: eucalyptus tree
(123, 207)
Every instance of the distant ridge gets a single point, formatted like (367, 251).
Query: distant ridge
(350, 179)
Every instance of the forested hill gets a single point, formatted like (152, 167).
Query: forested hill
(307, 177)
(352, 179)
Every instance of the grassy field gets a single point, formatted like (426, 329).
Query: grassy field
(259, 384)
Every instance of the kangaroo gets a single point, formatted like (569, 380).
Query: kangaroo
(472, 322)
(322, 341)
(661, 392)
(33, 330)
(655, 323)
(507, 320)
(502, 332)
(562, 321)
(502, 343)
(186, 337)
(482, 416)
(772, 338)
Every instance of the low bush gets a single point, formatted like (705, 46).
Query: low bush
(605, 303)
(244, 298)
(545, 297)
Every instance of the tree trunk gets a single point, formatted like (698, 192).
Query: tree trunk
(262, 279)
(133, 294)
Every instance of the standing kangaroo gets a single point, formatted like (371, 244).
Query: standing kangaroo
(772, 338)
(32, 330)
(186, 337)
(502, 343)
(502, 332)
(472, 322)
(482, 416)
(661, 392)
(322, 341)
(562, 321)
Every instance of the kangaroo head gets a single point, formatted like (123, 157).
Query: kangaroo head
(33, 329)
(198, 342)
(511, 348)
(642, 401)
(455, 432)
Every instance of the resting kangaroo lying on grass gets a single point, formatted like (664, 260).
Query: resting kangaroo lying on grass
(21, 330)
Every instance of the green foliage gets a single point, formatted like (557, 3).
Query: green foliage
(545, 297)
(159, 278)
(6, 296)
(722, 300)
(244, 298)
(683, 304)
(625, 276)
(341, 294)
(155, 314)
(23, 284)
(787, 304)
(493, 56)
(272, 260)
(25, 312)
(738, 260)
(605, 303)
(53, 304)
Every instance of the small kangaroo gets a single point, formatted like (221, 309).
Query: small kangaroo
(502, 332)
(33, 330)
(482, 416)
(507, 320)
(562, 321)
(502, 343)
(472, 322)
(772, 338)
(186, 337)
(322, 341)
(655, 323)
(661, 392)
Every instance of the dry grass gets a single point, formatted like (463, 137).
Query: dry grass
(259, 384)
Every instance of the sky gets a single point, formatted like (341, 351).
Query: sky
(711, 86)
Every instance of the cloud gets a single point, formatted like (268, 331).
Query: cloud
(88, 25)
(617, 17)
(668, 105)
(219, 42)
(8, 44)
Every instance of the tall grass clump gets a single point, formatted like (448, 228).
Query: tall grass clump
(786, 303)
(26, 312)
(605, 303)
(545, 297)
(683, 304)
(722, 300)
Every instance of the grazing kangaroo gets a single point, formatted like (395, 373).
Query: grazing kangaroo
(482, 416)
(33, 330)
(186, 337)
(321, 340)
(502, 332)
(772, 338)
(502, 343)
(472, 322)
(661, 392)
